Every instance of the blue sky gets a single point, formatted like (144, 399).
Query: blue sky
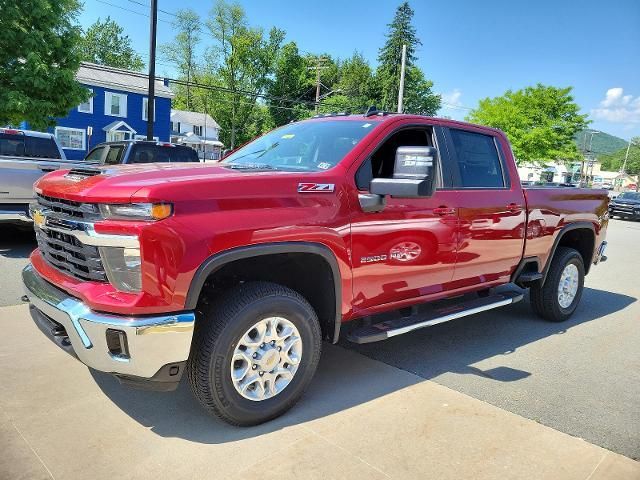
(471, 49)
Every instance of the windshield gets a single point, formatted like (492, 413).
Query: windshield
(305, 146)
(629, 196)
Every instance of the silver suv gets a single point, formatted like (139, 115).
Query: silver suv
(25, 156)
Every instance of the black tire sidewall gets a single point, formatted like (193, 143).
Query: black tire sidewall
(572, 257)
(225, 395)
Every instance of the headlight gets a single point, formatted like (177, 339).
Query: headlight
(122, 266)
(136, 211)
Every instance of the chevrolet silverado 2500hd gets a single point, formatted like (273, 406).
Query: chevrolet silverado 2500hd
(362, 226)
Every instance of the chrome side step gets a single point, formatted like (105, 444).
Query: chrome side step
(397, 326)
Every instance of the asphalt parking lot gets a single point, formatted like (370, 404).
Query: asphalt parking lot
(581, 377)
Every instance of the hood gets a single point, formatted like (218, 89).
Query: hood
(161, 182)
(625, 201)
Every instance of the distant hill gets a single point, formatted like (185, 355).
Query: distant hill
(602, 144)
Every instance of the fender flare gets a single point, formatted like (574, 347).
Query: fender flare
(556, 242)
(220, 259)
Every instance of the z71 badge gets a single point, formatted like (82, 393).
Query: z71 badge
(316, 187)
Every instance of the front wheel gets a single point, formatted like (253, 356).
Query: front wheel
(254, 352)
(560, 295)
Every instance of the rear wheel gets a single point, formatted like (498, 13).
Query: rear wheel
(254, 352)
(560, 295)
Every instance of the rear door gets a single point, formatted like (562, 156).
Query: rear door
(491, 208)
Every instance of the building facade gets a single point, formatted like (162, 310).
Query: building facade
(117, 110)
(197, 130)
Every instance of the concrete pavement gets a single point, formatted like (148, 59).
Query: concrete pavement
(360, 419)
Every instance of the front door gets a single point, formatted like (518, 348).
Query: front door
(408, 249)
(491, 209)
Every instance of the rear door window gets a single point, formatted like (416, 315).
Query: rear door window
(477, 159)
(41, 147)
(12, 145)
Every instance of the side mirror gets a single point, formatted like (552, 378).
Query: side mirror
(414, 174)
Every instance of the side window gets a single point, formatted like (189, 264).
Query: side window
(184, 154)
(381, 163)
(114, 154)
(95, 155)
(477, 160)
(41, 147)
(12, 145)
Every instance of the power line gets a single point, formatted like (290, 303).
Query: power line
(130, 10)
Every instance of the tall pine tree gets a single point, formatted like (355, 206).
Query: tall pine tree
(419, 97)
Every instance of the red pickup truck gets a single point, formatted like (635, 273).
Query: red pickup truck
(362, 227)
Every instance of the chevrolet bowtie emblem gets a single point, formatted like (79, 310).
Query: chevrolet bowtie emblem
(39, 219)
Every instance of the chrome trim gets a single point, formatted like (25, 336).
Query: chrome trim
(13, 216)
(85, 231)
(600, 254)
(153, 341)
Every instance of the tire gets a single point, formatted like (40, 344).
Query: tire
(225, 326)
(545, 299)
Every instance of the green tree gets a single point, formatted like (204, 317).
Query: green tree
(614, 161)
(39, 56)
(242, 61)
(540, 121)
(290, 81)
(105, 43)
(418, 94)
(182, 51)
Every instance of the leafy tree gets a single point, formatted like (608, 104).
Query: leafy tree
(39, 56)
(243, 61)
(182, 51)
(419, 97)
(540, 121)
(106, 44)
(355, 83)
(614, 161)
(291, 81)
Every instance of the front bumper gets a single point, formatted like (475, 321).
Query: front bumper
(157, 346)
(14, 213)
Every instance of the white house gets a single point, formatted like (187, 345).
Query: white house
(197, 130)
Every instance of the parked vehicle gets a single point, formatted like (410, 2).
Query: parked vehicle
(336, 226)
(626, 205)
(141, 151)
(25, 156)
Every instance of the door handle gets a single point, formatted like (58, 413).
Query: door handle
(48, 168)
(514, 208)
(442, 211)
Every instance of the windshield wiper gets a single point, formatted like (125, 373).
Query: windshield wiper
(250, 166)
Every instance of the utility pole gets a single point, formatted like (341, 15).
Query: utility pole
(402, 67)
(318, 67)
(626, 156)
(152, 68)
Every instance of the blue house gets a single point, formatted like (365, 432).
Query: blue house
(117, 110)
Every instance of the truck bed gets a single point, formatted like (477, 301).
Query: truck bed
(549, 210)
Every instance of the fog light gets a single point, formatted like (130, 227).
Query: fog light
(117, 343)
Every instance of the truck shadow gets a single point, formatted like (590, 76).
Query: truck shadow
(17, 242)
(344, 381)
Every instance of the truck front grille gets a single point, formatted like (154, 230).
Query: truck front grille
(68, 254)
(69, 208)
(64, 251)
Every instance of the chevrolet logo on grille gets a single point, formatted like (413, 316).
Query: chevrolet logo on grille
(39, 219)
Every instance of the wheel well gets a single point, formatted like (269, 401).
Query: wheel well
(308, 274)
(583, 240)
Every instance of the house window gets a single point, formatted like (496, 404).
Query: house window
(144, 137)
(197, 129)
(71, 138)
(115, 104)
(145, 105)
(87, 107)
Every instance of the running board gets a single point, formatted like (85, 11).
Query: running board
(397, 326)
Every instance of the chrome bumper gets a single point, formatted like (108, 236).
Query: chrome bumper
(14, 216)
(153, 342)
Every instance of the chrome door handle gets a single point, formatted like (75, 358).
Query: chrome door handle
(442, 211)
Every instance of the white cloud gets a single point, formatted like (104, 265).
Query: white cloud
(452, 98)
(618, 107)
